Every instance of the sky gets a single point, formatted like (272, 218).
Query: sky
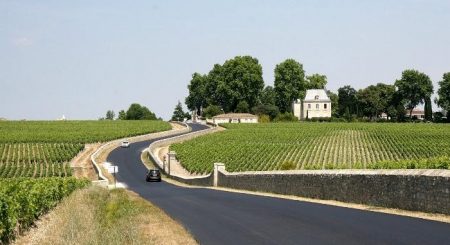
(82, 58)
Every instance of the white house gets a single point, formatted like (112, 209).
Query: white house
(235, 118)
(316, 104)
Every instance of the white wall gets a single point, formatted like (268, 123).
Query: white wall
(314, 112)
(227, 120)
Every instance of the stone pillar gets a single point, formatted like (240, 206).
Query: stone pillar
(172, 157)
(218, 167)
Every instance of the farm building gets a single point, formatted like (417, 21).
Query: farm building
(316, 104)
(416, 113)
(235, 118)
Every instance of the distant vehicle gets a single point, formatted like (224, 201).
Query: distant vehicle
(153, 175)
(125, 144)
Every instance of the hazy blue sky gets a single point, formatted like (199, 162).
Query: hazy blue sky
(81, 58)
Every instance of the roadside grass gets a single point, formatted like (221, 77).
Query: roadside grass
(100, 216)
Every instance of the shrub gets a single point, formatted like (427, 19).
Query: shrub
(264, 119)
(288, 165)
(285, 117)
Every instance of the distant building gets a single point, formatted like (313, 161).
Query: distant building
(416, 114)
(316, 104)
(63, 118)
(235, 118)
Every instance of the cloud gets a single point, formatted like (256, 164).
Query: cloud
(22, 42)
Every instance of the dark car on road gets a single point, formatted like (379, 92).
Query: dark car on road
(153, 175)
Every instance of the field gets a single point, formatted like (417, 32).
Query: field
(44, 148)
(31, 152)
(24, 199)
(262, 147)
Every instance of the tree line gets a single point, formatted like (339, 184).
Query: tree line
(134, 112)
(238, 86)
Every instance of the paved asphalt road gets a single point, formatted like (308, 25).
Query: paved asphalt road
(218, 217)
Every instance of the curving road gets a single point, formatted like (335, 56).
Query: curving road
(218, 217)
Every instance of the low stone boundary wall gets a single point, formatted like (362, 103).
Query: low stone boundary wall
(415, 190)
(403, 189)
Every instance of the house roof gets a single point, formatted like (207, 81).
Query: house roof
(416, 111)
(312, 93)
(236, 116)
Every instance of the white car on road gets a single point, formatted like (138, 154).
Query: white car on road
(125, 144)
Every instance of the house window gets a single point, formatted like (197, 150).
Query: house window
(316, 97)
(317, 106)
(325, 106)
(309, 106)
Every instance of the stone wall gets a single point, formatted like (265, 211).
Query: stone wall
(404, 189)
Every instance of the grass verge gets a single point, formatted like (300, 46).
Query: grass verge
(99, 216)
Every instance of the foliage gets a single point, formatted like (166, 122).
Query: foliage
(110, 115)
(289, 83)
(347, 101)
(444, 93)
(316, 81)
(263, 118)
(212, 111)
(375, 99)
(242, 107)
(122, 115)
(178, 114)
(197, 97)
(23, 200)
(270, 110)
(138, 112)
(263, 147)
(334, 103)
(268, 96)
(288, 165)
(285, 117)
(414, 87)
(238, 79)
(428, 109)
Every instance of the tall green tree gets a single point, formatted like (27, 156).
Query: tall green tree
(122, 115)
(178, 113)
(110, 115)
(443, 99)
(268, 96)
(211, 111)
(243, 82)
(197, 98)
(238, 79)
(270, 110)
(414, 87)
(138, 112)
(289, 84)
(242, 107)
(347, 101)
(334, 103)
(428, 109)
(375, 99)
(316, 81)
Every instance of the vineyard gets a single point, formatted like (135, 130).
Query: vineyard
(44, 148)
(263, 147)
(24, 199)
(75, 131)
(35, 155)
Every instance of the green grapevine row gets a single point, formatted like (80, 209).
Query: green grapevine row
(37, 159)
(75, 131)
(263, 147)
(23, 200)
